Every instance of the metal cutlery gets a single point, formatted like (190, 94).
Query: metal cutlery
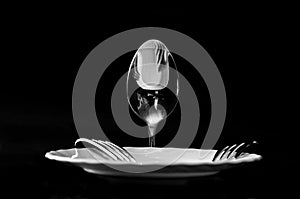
(232, 151)
(109, 150)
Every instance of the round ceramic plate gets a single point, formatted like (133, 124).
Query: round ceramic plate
(173, 162)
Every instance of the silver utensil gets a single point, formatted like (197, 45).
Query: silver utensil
(109, 150)
(233, 151)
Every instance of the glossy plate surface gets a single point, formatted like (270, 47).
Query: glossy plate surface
(174, 162)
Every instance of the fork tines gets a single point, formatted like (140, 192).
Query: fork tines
(120, 153)
(233, 151)
(109, 150)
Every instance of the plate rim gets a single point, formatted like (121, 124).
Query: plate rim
(248, 158)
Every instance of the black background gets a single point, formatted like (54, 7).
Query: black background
(42, 50)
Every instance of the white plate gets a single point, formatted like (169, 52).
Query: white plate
(174, 162)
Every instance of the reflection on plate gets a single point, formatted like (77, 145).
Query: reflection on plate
(175, 162)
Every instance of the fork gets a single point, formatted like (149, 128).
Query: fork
(109, 150)
(233, 151)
